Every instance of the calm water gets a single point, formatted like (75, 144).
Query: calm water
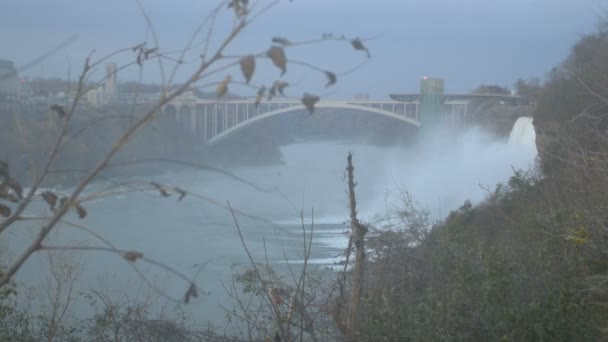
(441, 173)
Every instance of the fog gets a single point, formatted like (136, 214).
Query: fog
(349, 52)
(199, 238)
(476, 41)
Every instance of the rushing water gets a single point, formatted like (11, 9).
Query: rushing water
(441, 172)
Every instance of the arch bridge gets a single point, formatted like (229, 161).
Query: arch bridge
(213, 120)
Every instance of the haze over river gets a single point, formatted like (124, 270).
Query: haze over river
(441, 172)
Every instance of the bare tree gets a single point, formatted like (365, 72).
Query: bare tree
(17, 206)
(64, 272)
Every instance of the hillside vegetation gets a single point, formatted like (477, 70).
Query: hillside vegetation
(530, 262)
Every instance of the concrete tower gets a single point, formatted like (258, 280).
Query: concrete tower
(431, 101)
(111, 84)
(9, 83)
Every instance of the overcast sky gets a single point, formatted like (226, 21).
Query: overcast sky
(467, 42)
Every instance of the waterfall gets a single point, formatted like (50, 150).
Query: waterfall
(523, 133)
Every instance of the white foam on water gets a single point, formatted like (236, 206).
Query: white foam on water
(333, 219)
(316, 261)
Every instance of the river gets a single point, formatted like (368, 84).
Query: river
(441, 172)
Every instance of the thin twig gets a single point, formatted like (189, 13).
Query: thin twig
(276, 313)
(46, 229)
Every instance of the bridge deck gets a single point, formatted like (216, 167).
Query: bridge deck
(213, 119)
(296, 101)
(462, 97)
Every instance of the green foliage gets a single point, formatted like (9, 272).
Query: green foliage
(491, 89)
(528, 88)
(573, 87)
(14, 323)
(495, 271)
(125, 321)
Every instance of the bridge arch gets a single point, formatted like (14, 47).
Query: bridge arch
(222, 135)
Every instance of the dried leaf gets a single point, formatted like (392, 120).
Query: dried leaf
(143, 53)
(50, 198)
(277, 55)
(222, 88)
(358, 45)
(248, 67)
(577, 241)
(59, 109)
(190, 293)
(260, 95)
(239, 6)
(331, 78)
(281, 41)
(579, 237)
(272, 92)
(309, 102)
(280, 86)
(276, 296)
(181, 193)
(5, 211)
(82, 212)
(8, 195)
(160, 189)
(16, 187)
(132, 256)
(148, 52)
(139, 46)
(62, 201)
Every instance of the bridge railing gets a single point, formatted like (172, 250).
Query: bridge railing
(210, 118)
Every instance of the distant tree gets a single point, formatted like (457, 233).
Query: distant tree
(529, 88)
(578, 83)
(491, 89)
(134, 87)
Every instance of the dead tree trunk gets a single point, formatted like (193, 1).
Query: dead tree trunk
(358, 232)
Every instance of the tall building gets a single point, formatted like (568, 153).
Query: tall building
(9, 82)
(95, 97)
(111, 84)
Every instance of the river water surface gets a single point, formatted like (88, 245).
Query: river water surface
(441, 172)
